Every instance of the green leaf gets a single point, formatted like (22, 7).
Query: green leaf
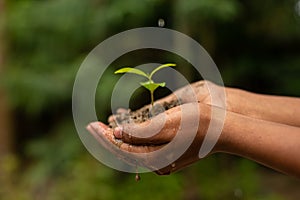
(131, 70)
(161, 67)
(152, 86)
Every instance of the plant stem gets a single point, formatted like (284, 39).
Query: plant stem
(152, 98)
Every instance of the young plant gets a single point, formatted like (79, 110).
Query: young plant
(150, 84)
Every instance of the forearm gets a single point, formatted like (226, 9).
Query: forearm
(274, 145)
(284, 110)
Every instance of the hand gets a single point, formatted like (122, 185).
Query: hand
(255, 127)
(134, 137)
(199, 91)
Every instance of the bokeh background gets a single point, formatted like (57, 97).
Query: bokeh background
(255, 44)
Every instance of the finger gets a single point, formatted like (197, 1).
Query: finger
(192, 93)
(100, 130)
(122, 110)
(119, 111)
(175, 166)
(121, 150)
(121, 114)
(195, 92)
(141, 149)
(102, 133)
(161, 129)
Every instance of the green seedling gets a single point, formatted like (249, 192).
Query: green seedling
(150, 84)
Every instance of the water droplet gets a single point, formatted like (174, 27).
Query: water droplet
(238, 193)
(173, 165)
(161, 23)
(137, 177)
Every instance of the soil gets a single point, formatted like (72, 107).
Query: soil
(124, 116)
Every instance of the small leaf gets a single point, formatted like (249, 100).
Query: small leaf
(152, 86)
(131, 70)
(161, 67)
(163, 84)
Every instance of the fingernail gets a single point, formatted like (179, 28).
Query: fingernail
(121, 110)
(93, 125)
(118, 132)
(102, 126)
(88, 127)
(96, 127)
(112, 118)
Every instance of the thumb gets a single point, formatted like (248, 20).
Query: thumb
(158, 130)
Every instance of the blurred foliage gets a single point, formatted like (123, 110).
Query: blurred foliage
(254, 43)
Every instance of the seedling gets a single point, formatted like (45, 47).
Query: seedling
(150, 84)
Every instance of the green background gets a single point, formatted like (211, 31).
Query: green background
(255, 44)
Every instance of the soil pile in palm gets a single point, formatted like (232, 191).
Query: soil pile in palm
(142, 114)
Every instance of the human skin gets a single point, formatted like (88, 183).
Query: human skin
(280, 109)
(262, 128)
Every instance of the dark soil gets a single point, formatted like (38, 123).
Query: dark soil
(143, 114)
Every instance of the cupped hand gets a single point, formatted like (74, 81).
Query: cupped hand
(200, 91)
(172, 129)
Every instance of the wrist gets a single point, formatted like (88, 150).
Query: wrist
(233, 99)
(243, 102)
(219, 140)
(227, 140)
